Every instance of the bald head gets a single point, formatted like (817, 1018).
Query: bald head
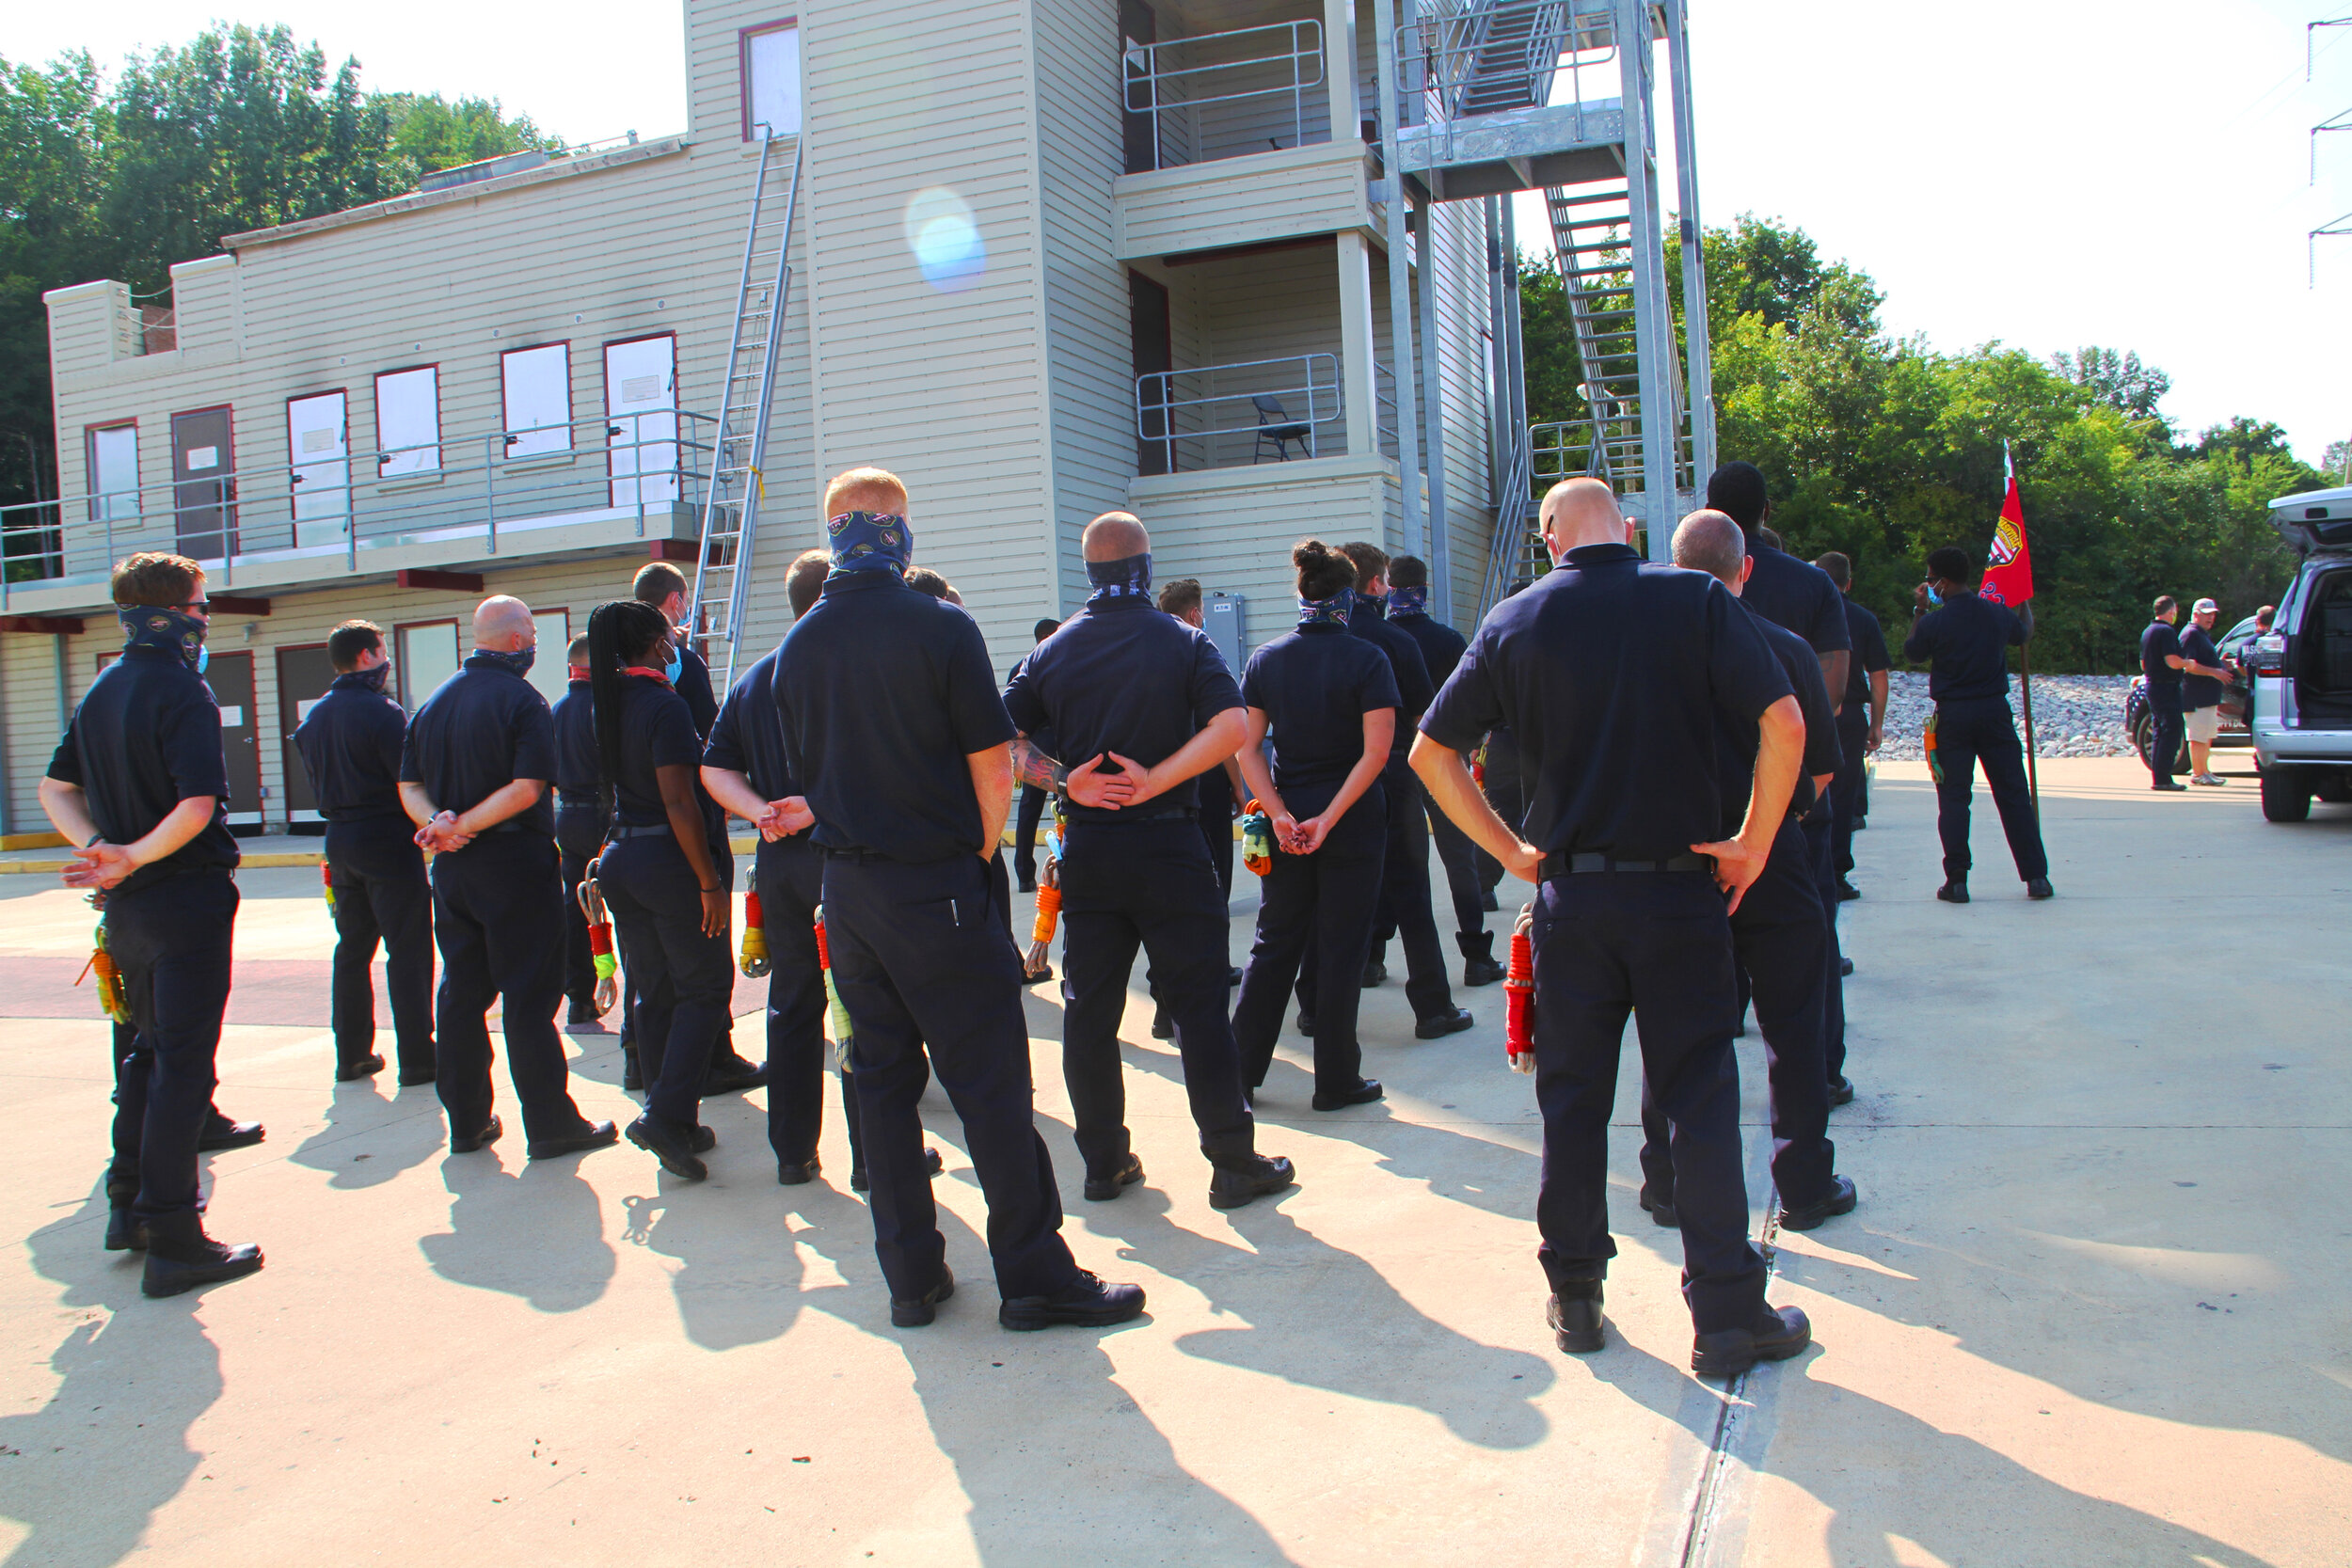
(1115, 536)
(1580, 512)
(1711, 542)
(502, 624)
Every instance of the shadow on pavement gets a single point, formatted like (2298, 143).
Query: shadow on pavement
(370, 1137)
(538, 1234)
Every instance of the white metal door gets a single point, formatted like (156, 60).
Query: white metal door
(641, 419)
(320, 441)
(113, 462)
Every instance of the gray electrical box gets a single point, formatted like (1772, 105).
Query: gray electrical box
(1220, 617)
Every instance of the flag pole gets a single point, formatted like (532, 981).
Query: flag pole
(2024, 668)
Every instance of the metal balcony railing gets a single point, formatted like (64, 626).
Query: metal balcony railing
(1224, 95)
(1469, 57)
(1227, 416)
(457, 490)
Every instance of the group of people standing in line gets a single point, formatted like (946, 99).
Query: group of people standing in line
(1673, 755)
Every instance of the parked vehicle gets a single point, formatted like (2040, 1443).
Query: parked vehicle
(2303, 671)
(2237, 692)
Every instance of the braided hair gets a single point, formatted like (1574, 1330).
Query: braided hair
(621, 633)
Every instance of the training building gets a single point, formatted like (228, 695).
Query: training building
(1047, 259)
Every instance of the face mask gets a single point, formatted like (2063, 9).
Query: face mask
(1128, 574)
(1408, 601)
(1332, 611)
(670, 670)
(869, 542)
(516, 664)
(203, 659)
(161, 626)
(374, 679)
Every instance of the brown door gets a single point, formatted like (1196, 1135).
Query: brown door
(204, 483)
(1146, 309)
(231, 677)
(1137, 26)
(303, 677)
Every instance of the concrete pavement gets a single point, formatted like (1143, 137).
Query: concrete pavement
(2088, 1312)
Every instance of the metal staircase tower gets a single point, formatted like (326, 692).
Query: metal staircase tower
(734, 490)
(1494, 97)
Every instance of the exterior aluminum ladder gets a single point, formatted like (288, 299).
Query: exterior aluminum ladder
(1591, 232)
(723, 566)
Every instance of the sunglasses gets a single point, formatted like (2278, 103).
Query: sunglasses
(198, 606)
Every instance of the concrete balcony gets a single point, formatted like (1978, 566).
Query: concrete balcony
(1265, 196)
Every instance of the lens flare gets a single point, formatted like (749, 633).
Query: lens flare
(944, 239)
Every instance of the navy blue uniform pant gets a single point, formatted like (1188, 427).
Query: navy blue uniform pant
(1778, 940)
(579, 837)
(381, 895)
(1458, 856)
(1980, 730)
(789, 876)
(932, 983)
(2166, 730)
(680, 981)
(1216, 826)
(1404, 904)
(1655, 944)
(1844, 789)
(1326, 901)
(1818, 840)
(172, 941)
(498, 919)
(1026, 815)
(1146, 883)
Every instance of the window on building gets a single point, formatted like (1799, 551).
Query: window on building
(427, 655)
(408, 421)
(537, 389)
(114, 473)
(771, 80)
(551, 673)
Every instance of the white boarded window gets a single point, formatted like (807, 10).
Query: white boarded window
(537, 386)
(408, 421)
(771, 81)
(551, 672)
(427, 655)
(114, 474)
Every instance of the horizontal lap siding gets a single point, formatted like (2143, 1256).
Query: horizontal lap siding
(1248, 208)
(1239, 541)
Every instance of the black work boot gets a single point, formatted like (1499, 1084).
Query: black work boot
(1478, 958)
(125, 1231)
(1235, 1179)
(1574, 1313)
(180, 1257)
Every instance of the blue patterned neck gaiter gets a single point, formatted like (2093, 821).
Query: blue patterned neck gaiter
(517, 663)
(1407, 601)
(1129, 573)
(148, 626)
(871, 542)
(1332, 611)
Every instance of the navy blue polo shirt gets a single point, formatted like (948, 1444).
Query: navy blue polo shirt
(1736, 744)
(144, 738)
(1797, 595)
(1440, 645)
(657, 731)
(2157, 641)
(1613, 674)
(884, 692)
(2199, 690)
(693, 684)
(1415, 691)
(578, 770)
(350, 746)
(1120, 676)
(1315, 684)
(1968, 639)
(1869, 657)
(748, 738)
(482, 730)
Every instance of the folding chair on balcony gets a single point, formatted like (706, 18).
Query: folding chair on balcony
(1276, 425)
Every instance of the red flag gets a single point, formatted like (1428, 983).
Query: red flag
(2009, 576)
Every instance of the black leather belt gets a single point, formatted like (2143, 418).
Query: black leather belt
(1170, 814)
(1571, 866)
(658, 829)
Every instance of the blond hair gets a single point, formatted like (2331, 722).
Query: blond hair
(862, 482)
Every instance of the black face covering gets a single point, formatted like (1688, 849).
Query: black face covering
(517, 664)
(373, 679)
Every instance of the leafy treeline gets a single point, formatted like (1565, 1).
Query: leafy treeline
(239, 129)
(1885, 447)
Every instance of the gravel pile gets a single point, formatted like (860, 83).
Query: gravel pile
(2073, 716)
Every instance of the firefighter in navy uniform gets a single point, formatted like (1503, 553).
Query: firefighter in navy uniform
(1777, 932)
(1442, 649)
(894, 725)
(473, 777)
(1861, 722)
(350, 746)
(1967, 639)
(1143, 704)
(1613, 674)
(582, 813)
(663, 586)
(745, 771)
(1404, 900)
(140, 783)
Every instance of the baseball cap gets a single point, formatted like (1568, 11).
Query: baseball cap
(2206, 606)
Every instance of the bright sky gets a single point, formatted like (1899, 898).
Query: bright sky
(2050, 173)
